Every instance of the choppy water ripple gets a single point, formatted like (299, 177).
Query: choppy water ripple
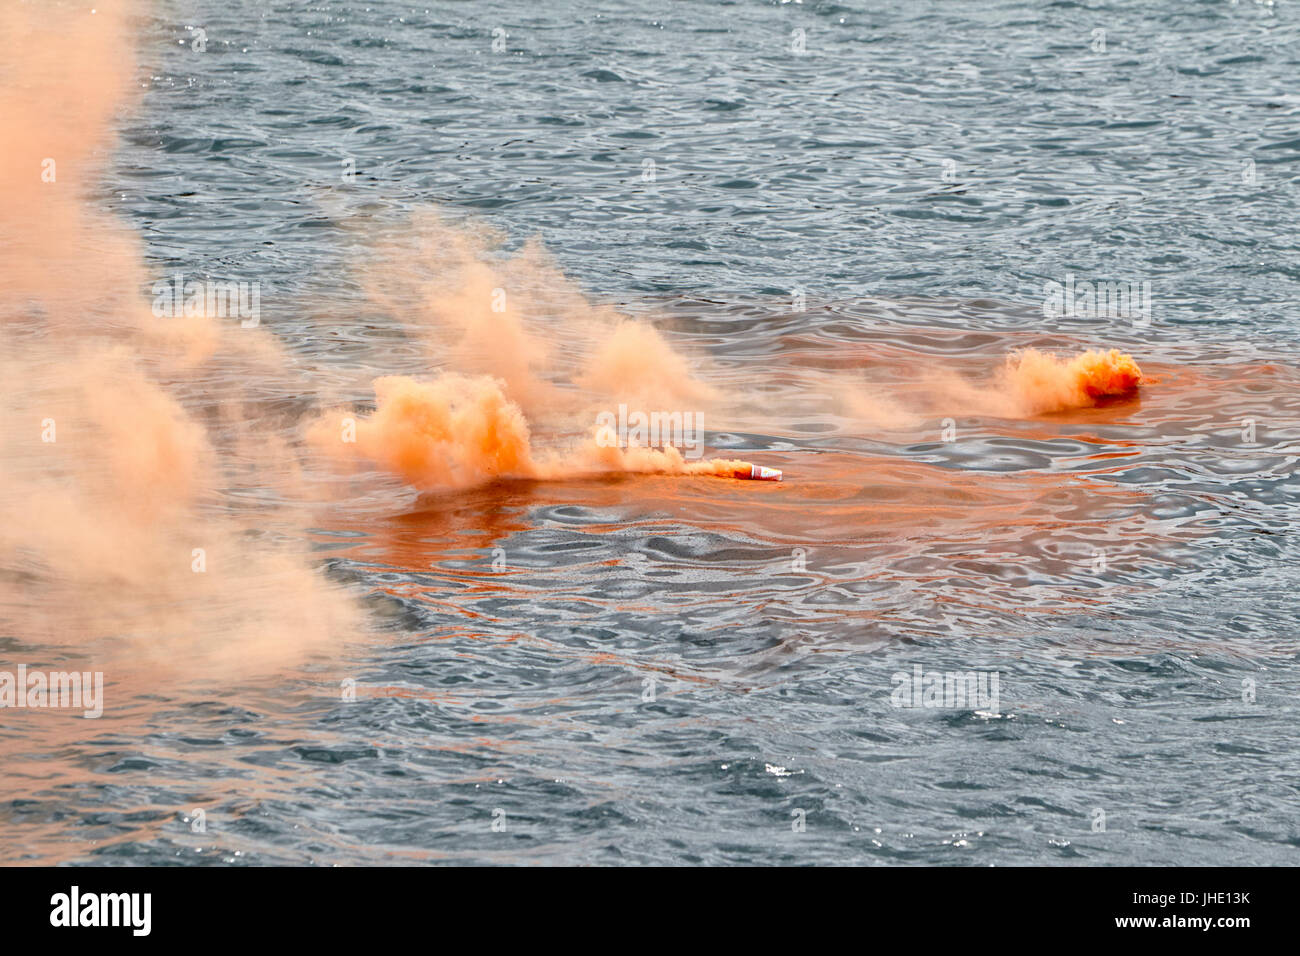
(649, 670)
(1116, 156)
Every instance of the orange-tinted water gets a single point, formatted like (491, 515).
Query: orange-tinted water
(499, 584)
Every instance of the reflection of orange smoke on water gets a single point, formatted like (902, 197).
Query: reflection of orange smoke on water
(458, 431)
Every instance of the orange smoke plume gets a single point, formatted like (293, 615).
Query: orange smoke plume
(457, 431)
(1040, 382)
(452, 432)
(635, 362)
(603, 455)
(525, 353)
(118, 529)
(1027, 383)
(481, 310)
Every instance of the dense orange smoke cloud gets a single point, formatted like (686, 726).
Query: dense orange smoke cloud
(521, 350)
(64, 74)
(454, 431)
(1040, 382)
(1028, 383)
(458, 431)
(117, 527)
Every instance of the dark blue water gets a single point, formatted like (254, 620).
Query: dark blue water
(661, 672)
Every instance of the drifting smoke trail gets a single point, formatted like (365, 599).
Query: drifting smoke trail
(116, 514)
(605, 456)
(530, 353)
(532, 356)
(518, 319)
(1028, 383)
(457, 431)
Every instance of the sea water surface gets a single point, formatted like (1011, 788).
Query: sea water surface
(649, 669)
